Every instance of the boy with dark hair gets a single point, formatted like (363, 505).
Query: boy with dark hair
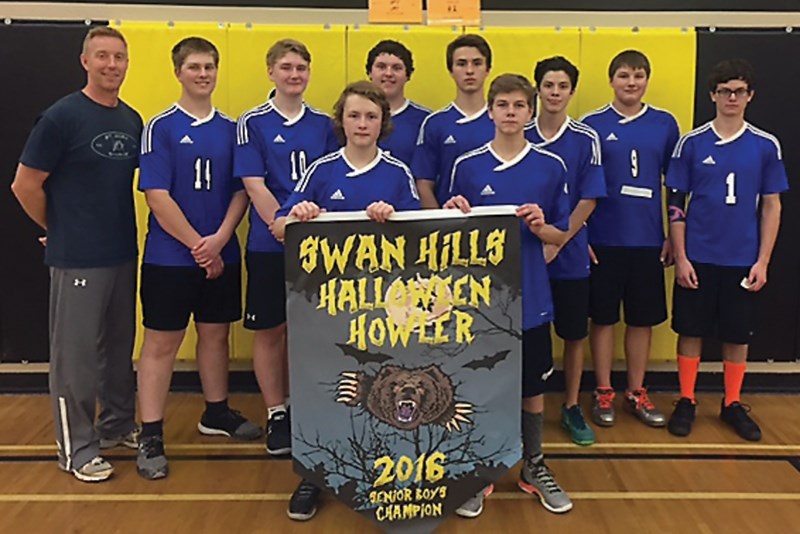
(192, 262)
(276, 142)
(626, 234)
(460, 126)
(510, 170)
(359, 176)
(568, 265)
(389, 66)
(733, 174)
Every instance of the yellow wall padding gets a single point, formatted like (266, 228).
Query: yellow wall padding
(672, 55)
(516, 50)
(430, 83)
(248, 73)
(339, 56)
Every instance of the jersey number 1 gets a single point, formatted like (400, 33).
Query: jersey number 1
(730, 181)
(199, 175)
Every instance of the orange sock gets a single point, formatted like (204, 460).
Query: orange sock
(734, 376)
(687, 375)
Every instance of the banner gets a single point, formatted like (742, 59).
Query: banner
(405, 359)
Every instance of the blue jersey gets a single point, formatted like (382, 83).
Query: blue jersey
(579, 147)
(534, 176)
(402, 142)
(332, 183)
(445, 135)
(192, 159)
(270, 145)
(636, 154)
(725, 178)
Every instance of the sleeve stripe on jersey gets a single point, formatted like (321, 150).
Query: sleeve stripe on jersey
(769, 136)
(147, 133)
(551, 154)
(472, 153)
(676, 153)
(397, 163)
(419, 107)
(595, 112)
(226, 117)
(421, 136)
(317, 111)
(242, 134)
(301, 185)
(579, 127)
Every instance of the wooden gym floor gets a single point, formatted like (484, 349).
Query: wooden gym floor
(635, 479)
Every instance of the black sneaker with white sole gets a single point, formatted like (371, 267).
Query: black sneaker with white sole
(303, 504)
(279, 434)
(230, 423)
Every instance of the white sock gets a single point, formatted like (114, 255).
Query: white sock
(275, 409)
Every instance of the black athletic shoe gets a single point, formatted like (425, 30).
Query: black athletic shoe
(736, 416)
(230, 423)
(279, 434)
(680, 422)
(303, 504)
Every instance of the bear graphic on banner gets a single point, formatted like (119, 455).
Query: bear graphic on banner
(405, 398)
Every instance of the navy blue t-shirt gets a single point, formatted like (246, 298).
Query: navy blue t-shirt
(90, 152)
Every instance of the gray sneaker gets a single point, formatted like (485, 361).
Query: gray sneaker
(95, 470)
(642, 407)
(151, 462)
(537, 479)
(130, 440)
(474, 506)
(603, 407)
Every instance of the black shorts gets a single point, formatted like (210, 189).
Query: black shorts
(266, 291)
(571, 307)
(537, 360)
(633, 276)
(170, 295)
(719, 306)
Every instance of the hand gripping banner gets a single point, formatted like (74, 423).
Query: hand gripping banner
(405, 359)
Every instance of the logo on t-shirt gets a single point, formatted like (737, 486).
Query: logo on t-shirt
(115, 145)
(487, 191)
(338, 195)
(450, 140)
(709, 161)
(186, 140)
(612, 137)
(279, 139)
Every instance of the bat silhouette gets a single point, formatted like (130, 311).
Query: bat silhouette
(362, 356)
(487, 362)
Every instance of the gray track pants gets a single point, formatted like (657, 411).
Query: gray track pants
(92, 327)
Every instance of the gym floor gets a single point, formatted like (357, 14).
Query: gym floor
(634, 478)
